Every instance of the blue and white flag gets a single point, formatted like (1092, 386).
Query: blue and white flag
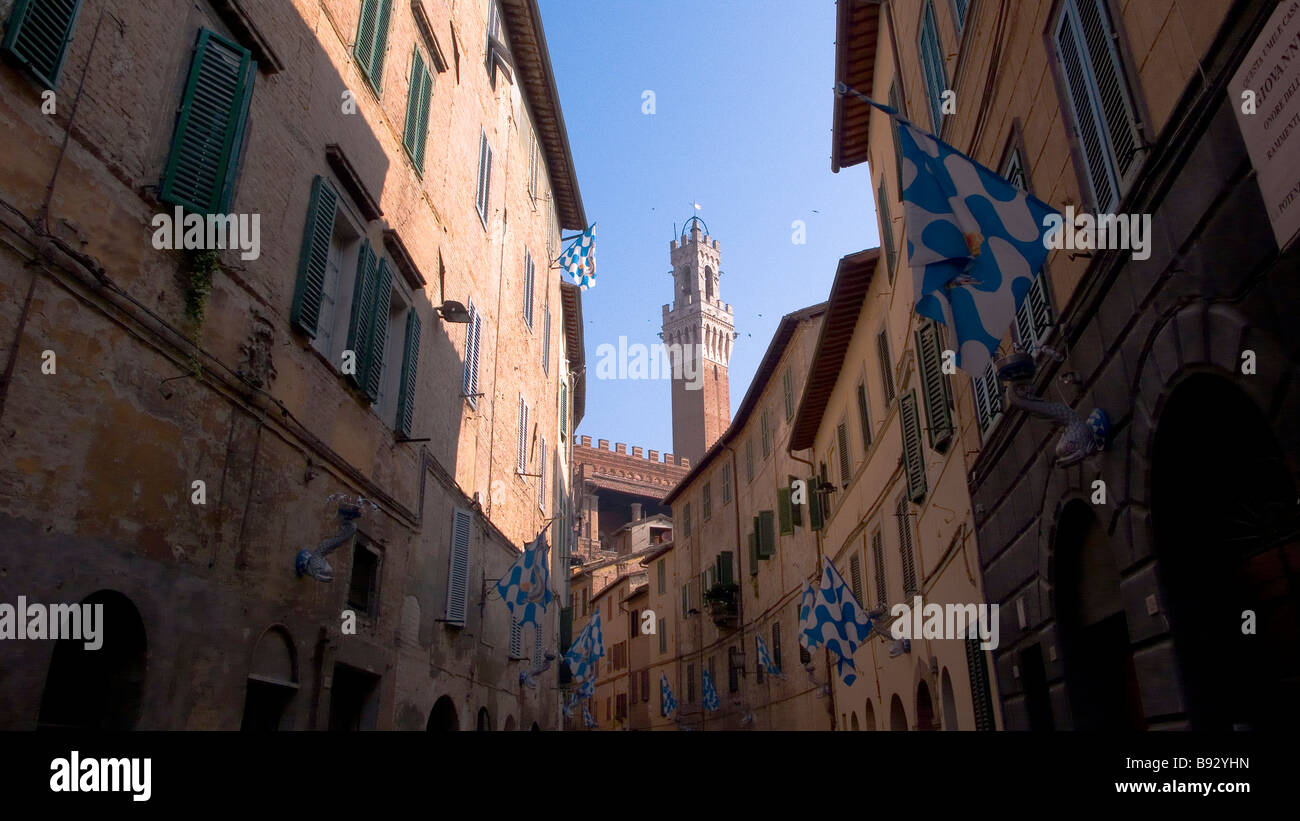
(585, 650)
(526, 586)
(809, 636)
(668, 703)
(975, 242)
(710, 695)
(587, 690)
(765, 658)
(579, 259)
(838, 620)
(586, 717)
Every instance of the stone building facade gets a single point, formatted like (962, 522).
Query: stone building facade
(616, 488)
(199, 413)
(1124, 580)
(735, 570)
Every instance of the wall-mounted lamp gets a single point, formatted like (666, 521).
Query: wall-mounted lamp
(453, 311)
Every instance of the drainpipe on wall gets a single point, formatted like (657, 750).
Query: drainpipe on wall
(830, 681)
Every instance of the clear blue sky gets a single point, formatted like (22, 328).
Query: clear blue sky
(743, 96)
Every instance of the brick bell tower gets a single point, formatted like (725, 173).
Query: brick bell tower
(703, 325)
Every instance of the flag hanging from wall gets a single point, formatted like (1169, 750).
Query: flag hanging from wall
(585, 650)
(586, 717)
(838, 620)
(809, 637)
(765, 658)
(579, 259)
(975, 241)
(710, 701)
(668, 703)
(526, 586)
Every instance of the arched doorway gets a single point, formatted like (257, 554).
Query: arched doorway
(1100, 677)
(1225, 518)
(510, 724)
(853, 721)
(949, 701)
(442, 718)
(272, 682)
(535, 728)
(924, 708)
(101, 689)
(484, 723)
(870, 721)
(897, 715)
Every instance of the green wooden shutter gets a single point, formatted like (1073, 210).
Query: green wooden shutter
(814, 504)
(363, 295)
(204, 151)
(38, 35)
(726, 568)
(766, 526)
(314, 256)
(372, 40)
(913, 456)
(796, 511)
(416, 131)
(929, 354)
(410, 367)
(783, 507)
(379, 308)
(753, 554)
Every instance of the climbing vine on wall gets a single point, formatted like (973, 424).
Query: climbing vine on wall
(199, 267)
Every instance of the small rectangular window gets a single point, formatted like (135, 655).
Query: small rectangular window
(708, 500)
(363, 590)
(38, 34)
(787, 386)
(726, 483)
(749, 460)
(528, 289)
(886, 366)
(766, 430)
(484, 177)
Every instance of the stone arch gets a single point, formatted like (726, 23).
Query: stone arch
(869, 720)
(897, 714)
(1224, 521)
(442, 718)
(484, 721)
(510, 724)
(100, 689)
(853, 721)
(925, 716)
(949, 699)
(272, 681)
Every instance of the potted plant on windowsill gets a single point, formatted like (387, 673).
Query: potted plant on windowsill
(721, 600)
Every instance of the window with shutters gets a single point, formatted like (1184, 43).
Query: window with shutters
(661, 574)
(776, 644)
(327, 265)
(726, 573)
(932, 64)
(1106, 127)
(564, 406)
(210, 125)
(896, 103)
(458, 566)
(473, 341)
(529, 274)
(788, 388)
(541, 475)
(796, 510)
(484, 177)
(1034, 317)
(372, 40)
(690, 684)
(726, 484)
(886, 228)
(855, 576)
(846, 458)
(397, 358)
(981, 695)
(546, 339)
(631, 687)
(864, 417)
(708, 501)
(886, 366)
(532, 166)
(620, 708)
(934, 385)
(765, 527)
(749, 460)
(766, 434)
(784, 511)
(733, 670)
(516, 639)
(905, 549)
(38, 34)
(363, 586)
(878, 568)
(959, 9)
(418, 100)
(521, 439)
(662, 628)
(913, 454)
(988, 399)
